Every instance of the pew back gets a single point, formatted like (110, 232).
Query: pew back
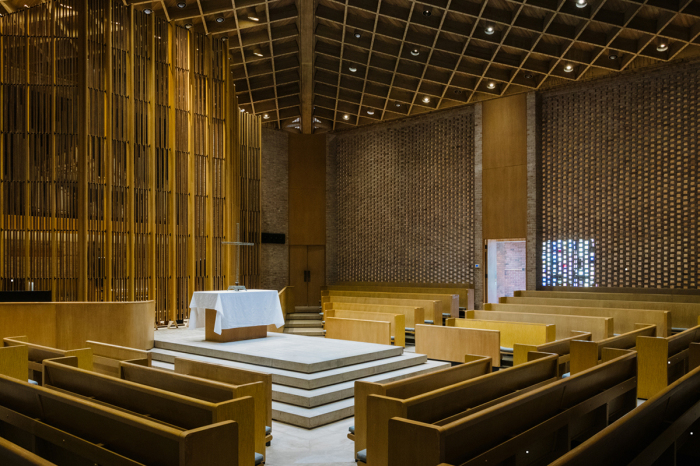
(367, 331)
(633, 296)
(38, 353)
(16, 456)
(511, 332)
(625, 320)
(106, 357)
(14, 362)
(449, 302)
(453, 343)
(561, 348)
(586, 354)
(412, 315)
(397, 321)
(431, 307)
(466, 295)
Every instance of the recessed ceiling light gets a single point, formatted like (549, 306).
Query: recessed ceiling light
(491, 85)
(257, 52)
(426, 100)
(253, 15)
(569, 68)
(242, 110)
(346, 117)
(357, 34)
(427, 11)
(181, 4)
(662, 47)
(370, 112)
(581, 3)
(225, 38)
(148, 11)
(613, 56)
(353, 69)
(220, 19)
(528, 76)
(415, 52)
(266, 116)
(398, 104)
(188, 26)
(489, 30)
(458, 91)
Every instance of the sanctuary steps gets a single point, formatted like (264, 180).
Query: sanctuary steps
(306, 321)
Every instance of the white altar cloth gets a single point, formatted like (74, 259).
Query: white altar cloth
(236, 309)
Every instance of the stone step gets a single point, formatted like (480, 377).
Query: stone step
(297, 323)
(307, 309)
(313, 417)
(305, 316)
(303, 380)
(309, 332)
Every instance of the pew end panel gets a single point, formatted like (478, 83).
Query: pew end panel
(404, 432)
(397, 321)
(210, 444)
(453, 343)
(368, 331)
(693, 356)
(653, 366)
(14, 362)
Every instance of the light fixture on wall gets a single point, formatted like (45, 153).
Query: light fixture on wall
(491, 85)
(662, 47)
(353, 69)
(569, 68)
(220, 19)
(257, 52)
(147, 11)
(415, 52)
(426, 100)
(181, 4)
(489, 30)
(581, 3)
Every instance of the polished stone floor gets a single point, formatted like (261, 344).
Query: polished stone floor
(327, 445)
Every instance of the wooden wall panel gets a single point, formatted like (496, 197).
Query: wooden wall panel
(307, 189)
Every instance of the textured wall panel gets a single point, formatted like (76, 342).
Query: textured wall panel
(405, 201)
(620, 169)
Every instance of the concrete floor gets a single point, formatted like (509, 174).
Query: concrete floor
(327, 445)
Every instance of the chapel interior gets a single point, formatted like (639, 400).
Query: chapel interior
(349, 232)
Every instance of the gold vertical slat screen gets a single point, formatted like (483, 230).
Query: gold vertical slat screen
(161, 124)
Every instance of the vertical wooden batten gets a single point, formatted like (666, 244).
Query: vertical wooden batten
(109, 158)
(82, 149)
(131, 256)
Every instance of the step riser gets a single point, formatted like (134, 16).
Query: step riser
(313, 422)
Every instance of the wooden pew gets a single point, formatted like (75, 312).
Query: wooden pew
(14, 362)
(511, 332)
(534, 428)
(465, 293)
(685, 315)
(106, 358)
(664, 360)
(449, 302)
(451, 403)
(178, 410)
(14, 455)
(587, 354)
(367, 331)
(233, 376)
(412, 315)
(624, 319)
(81, 432)
(632, 295)
(410, 387)
(431, 307)
(661, 431)
(397, 321)
(202, 389)
(452, 343)
(37, 354)
(561, 348)
(599, 327)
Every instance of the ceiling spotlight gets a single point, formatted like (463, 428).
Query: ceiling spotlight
(220, 19)
(357, 34)
(491, 85)
(353, 69)
(398, 104)
(370, 112)
(613, 56)
(528, 76)
(346, 117)
(257, 52)
(181, 4)
(569, 68)
(490, 30)
(662, 47)
(242, 110)
(415, 52)
(188, 26)
(148, 11)
(253, 15)
(426, 100)
(225, 38)
(458, 91)
(427, 11)
(581, 3)
(266, 116)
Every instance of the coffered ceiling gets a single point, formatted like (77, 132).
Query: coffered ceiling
(367, 61)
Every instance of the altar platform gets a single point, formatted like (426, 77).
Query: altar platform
(313, 378)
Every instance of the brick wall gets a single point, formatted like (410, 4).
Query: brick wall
(275, 208)
(510, 258)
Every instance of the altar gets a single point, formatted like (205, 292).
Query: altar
(235, 315)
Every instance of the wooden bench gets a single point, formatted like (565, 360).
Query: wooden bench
(15, 455)
(412, 315)
(465, 293)
(106, 358)
(632, 295)
(81, 432)
(449, 302)
(409, 387)
(664, 360)
(599, 327)
(685, 315)
(561, 348)
(624, 319)
(661, 431)
(202, 389)
(366, 331)
(511, 332)
(397, 321)
(534, 428)
(232, 376)
(37, 354)
(178, 410)
(431, 307)
(587, 354)
(14, 362)
(450, 403)
(452, 343)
